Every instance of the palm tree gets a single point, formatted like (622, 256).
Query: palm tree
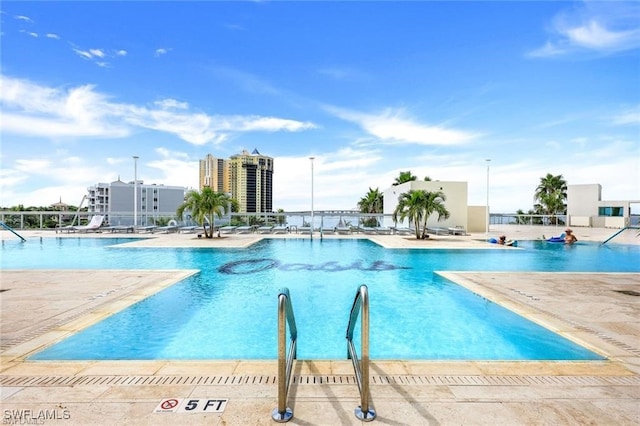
(551, 195)
(404, 177)
(372, 202)
(204, 206)
(418, 206)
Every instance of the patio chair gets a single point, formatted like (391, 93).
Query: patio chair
(93, 225)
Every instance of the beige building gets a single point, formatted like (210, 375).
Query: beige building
(247, 177)
(251, 181)
(471, 218)
(214, 173)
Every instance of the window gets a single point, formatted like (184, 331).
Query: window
(611, 211)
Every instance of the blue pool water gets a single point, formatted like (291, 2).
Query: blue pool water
(228, 310)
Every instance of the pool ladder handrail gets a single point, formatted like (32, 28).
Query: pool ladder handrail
(10, 229)
(282, 413)
(361, 303)
(618, 233)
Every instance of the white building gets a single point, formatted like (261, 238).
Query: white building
(585, 207)
(115, 201)
(471, 218)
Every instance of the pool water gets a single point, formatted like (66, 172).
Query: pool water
(228, 310)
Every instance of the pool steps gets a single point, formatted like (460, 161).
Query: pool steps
(364, 411)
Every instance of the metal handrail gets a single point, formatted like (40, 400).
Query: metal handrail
(282, 413)
(619, 232)
(361, 302)
(10, 229)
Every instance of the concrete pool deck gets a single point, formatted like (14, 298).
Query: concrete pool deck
(597, 310)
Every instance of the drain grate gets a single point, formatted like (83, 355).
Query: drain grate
(304, 380)
(628, 292)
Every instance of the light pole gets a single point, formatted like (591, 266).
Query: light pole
(488, 214)
(311, 158)
(135, 190)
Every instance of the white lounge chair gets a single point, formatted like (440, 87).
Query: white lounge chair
(93, 225)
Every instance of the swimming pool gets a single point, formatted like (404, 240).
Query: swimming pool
(228, 310)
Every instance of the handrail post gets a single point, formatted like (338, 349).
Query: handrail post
(282, 413)
(361, 368)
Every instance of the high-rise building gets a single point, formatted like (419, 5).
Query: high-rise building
(251, 181)
(214, 174)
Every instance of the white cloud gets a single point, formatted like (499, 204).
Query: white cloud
(605, 28)
(51, 35)
(267, 124)
(631, 116)
(56, 177)
(121, 52)
(23, 18)
(161, 51)
(176, 168)
(99, 53)
(171, 103)
(83, 53)
(392, 127)
(30, 33)
(31, 109)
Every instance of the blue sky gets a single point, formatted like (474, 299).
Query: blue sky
(369, 89)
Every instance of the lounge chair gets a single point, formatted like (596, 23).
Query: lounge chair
(327, 230)
(280, 229)
(244, 229)
(304, 229)
(119, 228)
(265, 229)
(187, 229)
(343, 229)
(405, 231)
(93, 225)
(382, 230)
(438, 231)
(167, 229)
(228, 229)
(368, 230)
(146, 229)
(457, 230)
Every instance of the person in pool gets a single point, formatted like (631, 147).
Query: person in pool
(504, 242)
(569, 238)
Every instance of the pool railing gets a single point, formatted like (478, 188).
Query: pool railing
(361, 367)
(282, 413)
(10, 229)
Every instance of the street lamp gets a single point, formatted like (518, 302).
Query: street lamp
(311, 232)
(135, 190)
(488, 214)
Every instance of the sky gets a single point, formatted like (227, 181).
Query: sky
(368, 89)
